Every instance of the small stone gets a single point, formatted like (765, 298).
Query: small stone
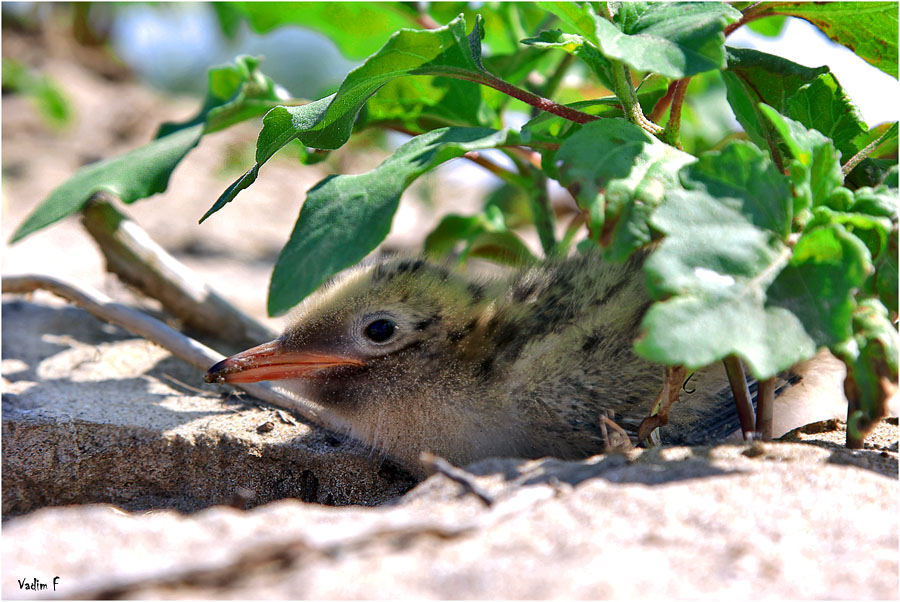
(265, 427)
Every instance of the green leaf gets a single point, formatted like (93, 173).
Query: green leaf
(741, 177)
(509, 206)
(236, 92)
(327, 123)
(886, 280)
(451, 230)
(485, 235)
(860, 224)
(578, 18)
(515, 68)
(811, 96)
(424, 102)
(887, 147)
(132, 176)
(505, 23)
(878, 146)
(620, 174)
(229, 18)
(674, 39)
(579, 47)
(715, 264)
(867, 28)
(753, 77)
(881, 206)
(818, 284)
(823, 105)
(46, 95)
(871, 357)
(770, 27)
(501, 247)
(881, 201)
(346, 217)
(815, 169)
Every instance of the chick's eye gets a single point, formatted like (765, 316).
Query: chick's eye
(380, 330)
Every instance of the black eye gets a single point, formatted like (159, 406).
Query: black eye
(380, 330)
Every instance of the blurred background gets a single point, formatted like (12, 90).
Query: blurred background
(86, 81)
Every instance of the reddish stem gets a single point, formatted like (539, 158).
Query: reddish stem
(659, 109)
(531, 156)
(544, 104)
(751, 13)
(427, 21)
(674, 125)
(500, 172)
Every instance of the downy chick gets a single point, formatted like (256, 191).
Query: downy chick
(412, 356)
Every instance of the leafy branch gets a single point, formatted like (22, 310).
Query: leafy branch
(766, 246)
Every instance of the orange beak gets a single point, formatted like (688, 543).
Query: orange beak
(271, 361)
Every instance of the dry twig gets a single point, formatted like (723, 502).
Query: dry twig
(140, 262)
(457, 475)
(184, 348)
(667, 396)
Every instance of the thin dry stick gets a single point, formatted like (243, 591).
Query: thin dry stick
(184, 348)
(668, 395)
(741, 392)
(765, 405)
(457, 475)
(135, 258)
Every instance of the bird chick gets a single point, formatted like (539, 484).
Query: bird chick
(412, 356)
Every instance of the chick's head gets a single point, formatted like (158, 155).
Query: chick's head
(398, 331)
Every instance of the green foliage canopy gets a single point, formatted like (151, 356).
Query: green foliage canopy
(775, 243)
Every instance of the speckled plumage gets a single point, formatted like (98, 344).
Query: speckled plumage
(522, 365)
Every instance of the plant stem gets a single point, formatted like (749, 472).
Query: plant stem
(765, 406)
(427, 21)
(544, 220)
(504, 174)
(544, 104)
(137, 260)
(627, 96)
(751, 13)
(673, 127)
(625, 89)
(741, 392)
(531, 156)
(659, 109)
(858, 158)
(856, 436)
(539, 200)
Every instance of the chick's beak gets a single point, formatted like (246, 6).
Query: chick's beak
(273, 361)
